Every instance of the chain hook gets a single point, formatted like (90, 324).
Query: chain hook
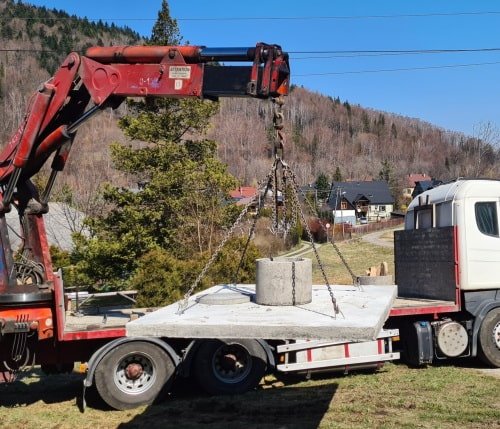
(278, 124)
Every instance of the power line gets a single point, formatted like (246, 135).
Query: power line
(398, 69)
(342, 17)
(446, 66)
(396, 51)
(383, 53)
(271, 18)
(338, 53)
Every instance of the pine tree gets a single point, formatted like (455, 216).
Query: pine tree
(337, 177)
(365, 120)
(394, 131)
(322, 186)
(387, 173)
(165, 31)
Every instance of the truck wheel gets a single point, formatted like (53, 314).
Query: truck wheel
(489, 339)
(225, 367)
(133, 374)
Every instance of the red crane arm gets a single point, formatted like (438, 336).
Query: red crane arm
(105, 76)
(86, 84)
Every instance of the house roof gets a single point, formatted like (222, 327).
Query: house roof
(413, 178)
(60, 222)
(244, 201)
(375, 192)
(243, 192)
(425, 185)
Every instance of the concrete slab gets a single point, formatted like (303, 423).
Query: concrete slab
(364, 313)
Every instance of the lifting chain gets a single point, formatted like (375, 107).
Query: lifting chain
(280, 226)
(354, 277)
(295, 195)
(290, 185)
(254, 223)
(278, 124)
(184, 302)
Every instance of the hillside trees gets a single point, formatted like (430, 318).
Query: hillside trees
(155, 237)
(387, 174)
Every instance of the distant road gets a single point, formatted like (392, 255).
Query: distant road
(379, 238)
(302, 250)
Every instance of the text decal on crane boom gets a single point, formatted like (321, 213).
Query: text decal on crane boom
(179, 72)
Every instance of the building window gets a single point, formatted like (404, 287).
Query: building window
(343, 205)
(381, 208)
(487, 218)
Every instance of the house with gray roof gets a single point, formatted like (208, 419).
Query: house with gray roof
(424, 185)
(371, 200)
(60, 223)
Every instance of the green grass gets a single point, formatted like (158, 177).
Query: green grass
(358, 254)
(394, 397)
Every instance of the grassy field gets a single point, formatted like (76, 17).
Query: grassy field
(359, 255)
(444, 396)
(394, 397)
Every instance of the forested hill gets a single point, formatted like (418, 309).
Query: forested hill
(324, 134)
(33, 43)
(54, 33)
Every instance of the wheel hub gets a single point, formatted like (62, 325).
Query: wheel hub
(232, 363)
(496, 335)
(134, 371)
(229, 362)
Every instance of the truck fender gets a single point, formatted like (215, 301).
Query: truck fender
(191, 349)
(481, 313)
(100, 353)
(269, 352)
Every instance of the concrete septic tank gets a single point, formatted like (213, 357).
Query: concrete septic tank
(283, 281)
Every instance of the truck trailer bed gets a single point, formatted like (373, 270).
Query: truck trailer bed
(407, 306)
(101, 318)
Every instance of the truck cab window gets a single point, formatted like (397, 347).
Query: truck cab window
(487, 218)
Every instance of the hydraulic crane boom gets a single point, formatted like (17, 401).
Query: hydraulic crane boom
(85, 84)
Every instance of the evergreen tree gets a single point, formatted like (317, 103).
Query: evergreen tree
(394, 131)
(365, 120)
(322, 186)
(337, 177)
(165, 30)
(387, 173)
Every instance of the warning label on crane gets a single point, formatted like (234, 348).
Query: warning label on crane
(179, 72)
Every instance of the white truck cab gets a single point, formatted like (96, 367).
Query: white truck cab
(473, 207)
(447, 262)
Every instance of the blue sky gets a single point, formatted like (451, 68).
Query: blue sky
(454, 98)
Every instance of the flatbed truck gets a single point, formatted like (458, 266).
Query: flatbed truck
(451, 239)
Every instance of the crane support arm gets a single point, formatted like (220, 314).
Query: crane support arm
(104, 77)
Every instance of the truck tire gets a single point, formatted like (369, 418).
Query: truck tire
(133, 374)
(225, 367)
(489, 339)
